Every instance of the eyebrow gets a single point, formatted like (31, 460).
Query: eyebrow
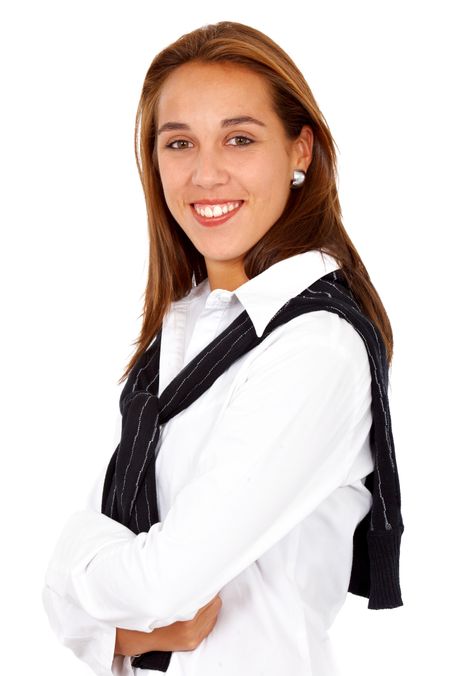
(228, 122)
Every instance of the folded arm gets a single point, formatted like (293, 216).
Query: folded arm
(282, 445)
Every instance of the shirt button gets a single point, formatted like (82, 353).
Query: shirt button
(218, 297)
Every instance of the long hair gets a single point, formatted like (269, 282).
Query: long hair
(312, 216)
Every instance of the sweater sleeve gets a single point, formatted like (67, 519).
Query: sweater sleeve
(282, 445)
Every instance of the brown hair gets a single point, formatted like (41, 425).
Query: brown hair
(312, 215)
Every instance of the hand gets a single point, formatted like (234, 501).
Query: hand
(177, 636)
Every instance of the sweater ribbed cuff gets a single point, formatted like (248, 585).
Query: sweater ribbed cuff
(384, 556)
(155, 659)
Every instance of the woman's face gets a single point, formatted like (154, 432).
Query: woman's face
(206, 154)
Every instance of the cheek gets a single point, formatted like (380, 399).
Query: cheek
(269, 178)
(170, 186)
(270, 192)
(167, 194)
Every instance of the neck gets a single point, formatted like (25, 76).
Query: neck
(225, 274)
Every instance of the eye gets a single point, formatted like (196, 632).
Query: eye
(247, 141)
(245, 138)
(171, 146)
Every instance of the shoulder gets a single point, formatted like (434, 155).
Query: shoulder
(315, 351)
(316, 361)
(314, 336)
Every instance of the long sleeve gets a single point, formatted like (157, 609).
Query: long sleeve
(91, 640)
(281, 446)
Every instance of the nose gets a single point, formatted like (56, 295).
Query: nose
(209, 169)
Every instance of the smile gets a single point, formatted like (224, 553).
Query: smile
(215, 214)
(215, 209)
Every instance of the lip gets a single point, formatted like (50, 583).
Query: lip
(216, 201)
(210, 222)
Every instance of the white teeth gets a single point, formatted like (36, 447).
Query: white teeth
(215, 210)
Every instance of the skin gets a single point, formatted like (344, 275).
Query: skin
(177, 636)
(212, 162)
(244, 161)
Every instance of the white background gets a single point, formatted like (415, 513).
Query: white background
(73, 272)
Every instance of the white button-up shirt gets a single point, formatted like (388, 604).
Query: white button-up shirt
(260, 488)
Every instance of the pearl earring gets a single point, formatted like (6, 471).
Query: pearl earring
(299, 177)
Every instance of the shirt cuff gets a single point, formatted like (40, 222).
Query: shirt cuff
(90, 640)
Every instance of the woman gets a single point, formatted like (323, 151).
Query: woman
(241, 468)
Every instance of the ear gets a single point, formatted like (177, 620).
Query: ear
(303, 148)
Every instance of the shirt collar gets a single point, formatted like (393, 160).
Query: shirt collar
(263, 295)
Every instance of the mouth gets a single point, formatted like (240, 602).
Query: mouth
(213, 214)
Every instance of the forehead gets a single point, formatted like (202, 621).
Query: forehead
(218, 86)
